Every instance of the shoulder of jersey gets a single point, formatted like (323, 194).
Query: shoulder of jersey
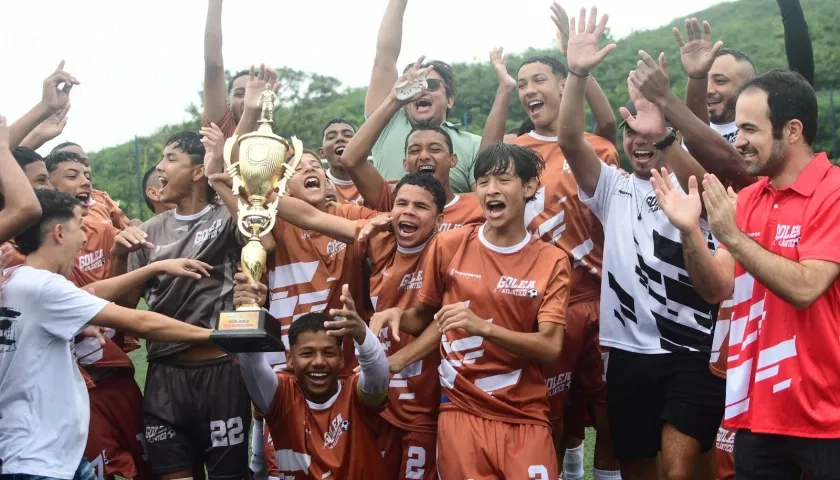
(455, 235)
(547, 252)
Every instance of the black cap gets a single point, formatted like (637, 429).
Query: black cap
(632, 109)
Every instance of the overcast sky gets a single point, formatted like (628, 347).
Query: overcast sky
(141, 62)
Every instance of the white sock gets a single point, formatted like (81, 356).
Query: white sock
(606, 474)
(573, 463)
(258, 465)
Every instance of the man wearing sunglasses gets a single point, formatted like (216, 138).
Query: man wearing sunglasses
(431, 107)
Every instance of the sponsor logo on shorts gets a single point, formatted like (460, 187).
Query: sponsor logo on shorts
(156, 434)
(725, 440)
(337, 427)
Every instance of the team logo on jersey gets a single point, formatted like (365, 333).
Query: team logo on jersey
(209, 233)
(788, 235)
(412, 281)
(335, 247)
(91, 261)
(725, 440)
(558, 383)
(457, 273)
(338, 426)
(159, 433)
(8, 342)
(652, 203)
(517, 288)
(448, 226)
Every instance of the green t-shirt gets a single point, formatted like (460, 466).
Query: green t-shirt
(389, 152)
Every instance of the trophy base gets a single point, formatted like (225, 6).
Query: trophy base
(247, 331)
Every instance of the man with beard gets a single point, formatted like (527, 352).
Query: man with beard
(220, 108)
(779, 263)
(660, 393)
(431, 107)
(335, 136)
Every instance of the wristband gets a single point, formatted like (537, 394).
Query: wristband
(667, 141)
(577, 74)
(702, 77)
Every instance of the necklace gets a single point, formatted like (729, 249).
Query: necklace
(638, 202)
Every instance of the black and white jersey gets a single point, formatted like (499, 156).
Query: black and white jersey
(648, 303)
(729, 131)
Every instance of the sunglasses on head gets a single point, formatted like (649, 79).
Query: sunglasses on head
(433, 84)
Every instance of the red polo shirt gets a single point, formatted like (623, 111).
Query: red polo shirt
(784, 364)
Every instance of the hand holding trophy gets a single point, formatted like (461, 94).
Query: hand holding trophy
(266, 163)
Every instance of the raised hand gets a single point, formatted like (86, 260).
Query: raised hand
(214, 143)
(697, 53)
(51, 127)
(561, 19)
(683, 211)
(4, 133)
(184, 267)
(347, 321)
(390, 318)
(57, 86)
(458, 315)
(256, 84)
(583, 54)
(649, 121)
(412, 76)
(130, 239)
(652, 80)
(377, 225)
(498, 58)
(720, 205)
(246, 292)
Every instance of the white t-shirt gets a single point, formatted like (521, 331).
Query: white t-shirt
(44, 405)
(729, 131)
(648, 304)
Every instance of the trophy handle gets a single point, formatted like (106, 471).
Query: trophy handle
(228, 152)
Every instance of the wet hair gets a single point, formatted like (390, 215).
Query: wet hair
(334, 121)
(25, 156)
(53, 160)
(146, 178)
(737, 54)
(56, 207)
(789, 97)
(557, 67)
(430, 127)
(190, 143)
(241, 73)
(427, 182)
(64, 145)
(446, 74)
(310, 322)
(498, 158)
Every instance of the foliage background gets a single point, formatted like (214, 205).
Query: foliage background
(309, 100)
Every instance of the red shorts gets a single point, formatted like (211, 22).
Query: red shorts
(476, 448)
(407, 455)
(724, 454)
(580, 359)
(116, 443)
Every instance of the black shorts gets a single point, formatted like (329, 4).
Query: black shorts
(778, 457)
(197, 412)
(645, 391)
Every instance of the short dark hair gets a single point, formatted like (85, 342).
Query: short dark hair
(240, 73)
(25, 156)
(737, 54)
(498, 158)
(789, 97)
(433, 128)
(427, 182)
(64, 145)
(146, 177)
(189, 143)
(557, 67)
(446, 74)
(334, 121)
(310, 322)
(55, 158)
(55, 207)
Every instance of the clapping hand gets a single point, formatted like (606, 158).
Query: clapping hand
(720, 205)
(683, 211)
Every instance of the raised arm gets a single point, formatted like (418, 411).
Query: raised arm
(259, 378)
(53, 99)
(798, 48)
(583, 55)
(388, 45)
(305, 216)
(47, 130)
(22, 208)
(253, 89)
(697, 54)
(215, 93)
(494, 127)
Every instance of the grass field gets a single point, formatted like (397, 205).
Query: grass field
(140, 365)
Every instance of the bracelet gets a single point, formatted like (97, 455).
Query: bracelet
(577, 74)
(703, 77)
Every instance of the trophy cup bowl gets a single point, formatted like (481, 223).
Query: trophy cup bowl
(265, 163)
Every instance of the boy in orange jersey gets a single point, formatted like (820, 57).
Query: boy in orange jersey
(334, 138)
(408, 438)
(499, 297)
(323, 427)
(428, 149)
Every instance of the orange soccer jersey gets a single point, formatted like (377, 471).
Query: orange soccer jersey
(330, 440)
(306, 272)
(462, 210)
(345, 190)
(559, 218)
(106, 210)
(397, 274)
(513, 287)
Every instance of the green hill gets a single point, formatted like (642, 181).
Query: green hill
(753, 26)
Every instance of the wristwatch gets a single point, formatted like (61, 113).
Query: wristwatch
(667, 141)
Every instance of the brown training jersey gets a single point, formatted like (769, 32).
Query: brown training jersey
(345, 190)
(210, 236)
(330, 440)
(397, 273)
(559, 218)
(306, 272)
(227, 124)
(106, 210)
(464, 209)
(513, 287)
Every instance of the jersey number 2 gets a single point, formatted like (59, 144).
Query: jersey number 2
(226, 434)
(414, 465)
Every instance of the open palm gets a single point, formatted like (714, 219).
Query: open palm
(683, 211)
(697, 53)
(582, 53)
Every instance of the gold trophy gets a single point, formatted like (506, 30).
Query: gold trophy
(264, 167)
